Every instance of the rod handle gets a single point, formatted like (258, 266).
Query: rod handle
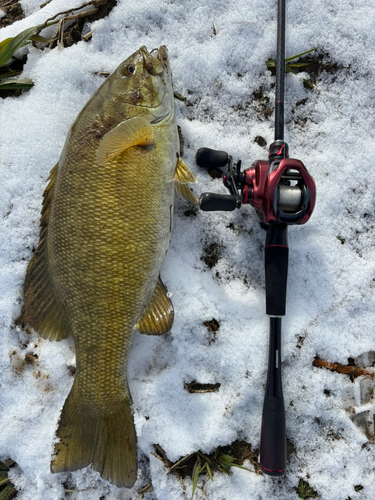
(273, 438)
(276, 267)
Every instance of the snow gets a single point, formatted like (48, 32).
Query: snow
(331, 303)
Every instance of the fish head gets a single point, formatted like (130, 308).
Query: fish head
(144, 80)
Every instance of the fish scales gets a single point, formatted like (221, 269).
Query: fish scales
(105, 229)
(118, 254)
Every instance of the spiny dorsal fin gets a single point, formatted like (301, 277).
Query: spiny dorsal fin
(158, 318)
(183, 174)
(42, 310)
(136, 131)
(185, 192)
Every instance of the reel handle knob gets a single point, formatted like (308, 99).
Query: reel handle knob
(221, 202)
(207, 157)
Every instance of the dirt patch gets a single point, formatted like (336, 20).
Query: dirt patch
(13, 12)
(260, 101)
(7, 489)
(211, 254)
(31, 359)
(304, 490)
(261, 141)
(72, 32)
(191, 212)
(212, 326)
(17, 65)
(238, 452)
(316, 63)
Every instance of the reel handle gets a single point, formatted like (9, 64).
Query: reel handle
(221, 202)
(207, 157)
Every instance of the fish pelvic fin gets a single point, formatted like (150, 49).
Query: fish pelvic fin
(105, 440)
(42, 309)
(182, 177)
(159, 315)
(185, 192)
(183, 174)
(135, 131)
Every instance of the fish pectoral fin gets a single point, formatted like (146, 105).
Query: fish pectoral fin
(42, 309)
(183, 174)
(135, 131)
(158, 318)
(182, 177)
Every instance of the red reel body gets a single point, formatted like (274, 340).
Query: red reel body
(271, 194)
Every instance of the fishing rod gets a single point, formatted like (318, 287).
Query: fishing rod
(283, 194)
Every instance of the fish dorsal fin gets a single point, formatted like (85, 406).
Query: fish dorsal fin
(158, 318)
(135, 131)
(182, 177)
(42, 309)
(183, 174)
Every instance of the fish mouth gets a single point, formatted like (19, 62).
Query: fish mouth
(162, 55)
(163, 111)
(153, 87)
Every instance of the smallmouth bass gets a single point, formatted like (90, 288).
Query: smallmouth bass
(105, 229)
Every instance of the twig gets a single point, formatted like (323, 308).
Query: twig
(196, 387)
(145, 489)
(65, 12)
(44, 4)
(161, 455)
(9, 6)
(59, 30)
(352, 371)
(181, 461)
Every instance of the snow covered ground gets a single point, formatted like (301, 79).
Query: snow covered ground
(218, 51)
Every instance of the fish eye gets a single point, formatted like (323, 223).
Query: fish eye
(128, 70)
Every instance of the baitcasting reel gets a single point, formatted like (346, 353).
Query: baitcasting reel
(280, 189)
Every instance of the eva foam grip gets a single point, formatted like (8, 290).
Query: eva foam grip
(273, 440)
(276, 267)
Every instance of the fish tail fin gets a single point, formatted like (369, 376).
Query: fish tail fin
(105, 440)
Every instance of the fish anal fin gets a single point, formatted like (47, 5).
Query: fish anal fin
(42, 309)
(183, 174)
(135, 131)
(158, 318)
(106, 439)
